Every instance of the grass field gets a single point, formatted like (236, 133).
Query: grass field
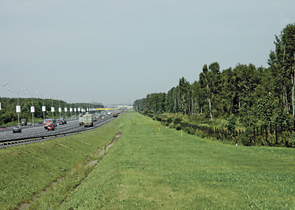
(169, 169)
(147, 168)
(55, 167)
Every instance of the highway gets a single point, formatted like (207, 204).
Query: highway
(38, 130)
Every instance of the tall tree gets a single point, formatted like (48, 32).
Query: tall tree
(184, 93)
(281, 63)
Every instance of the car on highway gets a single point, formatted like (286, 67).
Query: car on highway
(16, 130)
(48, 122)
(3, 128)
(63, 120)
(23, 122)
(50, 127)
(29, 123)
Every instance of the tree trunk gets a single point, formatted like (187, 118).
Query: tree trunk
(285, 98)
(293, 87)
(208, 89)
(293, 80)
(210, 108)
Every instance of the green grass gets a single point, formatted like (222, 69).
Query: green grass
(26, 171)
(151, 169)
(145, 169)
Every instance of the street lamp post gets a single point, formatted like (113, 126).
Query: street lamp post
(70, 107)
(75, 107)
(44, 107)
(52, 108)
(37, 93)
(32, 107)
(18, 108)
(60, 109)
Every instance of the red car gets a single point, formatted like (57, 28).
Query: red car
(50, 127)
(3, 128)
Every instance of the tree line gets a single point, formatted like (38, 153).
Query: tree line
(8, 108)
(251, 94)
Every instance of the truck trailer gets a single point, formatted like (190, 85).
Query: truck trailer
(88, 120)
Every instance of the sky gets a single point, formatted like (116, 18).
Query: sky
(115, 52)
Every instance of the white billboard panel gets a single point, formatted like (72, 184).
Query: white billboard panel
(17, 109)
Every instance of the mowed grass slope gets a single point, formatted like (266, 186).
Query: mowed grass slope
(151, 169)
(26, 171)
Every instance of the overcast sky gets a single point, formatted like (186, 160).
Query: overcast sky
(117, 51)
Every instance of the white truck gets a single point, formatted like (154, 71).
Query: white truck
(88, 120)
(80, 119)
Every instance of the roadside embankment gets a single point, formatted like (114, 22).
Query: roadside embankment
(28, 171)
(152, 167)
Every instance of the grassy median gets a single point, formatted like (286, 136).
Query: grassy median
(152, 168)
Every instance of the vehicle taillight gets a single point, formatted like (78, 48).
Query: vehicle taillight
(50, 124)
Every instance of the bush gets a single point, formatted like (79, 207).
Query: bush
(200, 134)
(172, 125)
(178, 127)
(289, 140)
(163, 116)
(245, 140)
(231, 123)
(190, 130)
(170, 120)
(177, 120)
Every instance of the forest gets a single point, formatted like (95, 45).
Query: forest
(9, 116)
(246, 94)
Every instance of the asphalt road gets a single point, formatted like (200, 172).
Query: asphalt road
(38, 130)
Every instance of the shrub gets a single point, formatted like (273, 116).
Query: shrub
(170, 120)
(245, 140)
(164, 116)
(172, 125)
(231, 123)
(190, 130)
(177, 120)
(178, 127)
(200, 134)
